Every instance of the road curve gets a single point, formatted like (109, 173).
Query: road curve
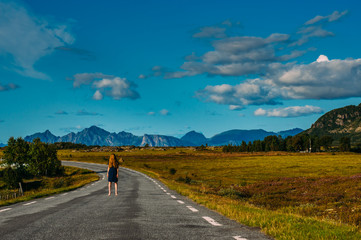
(143, 209)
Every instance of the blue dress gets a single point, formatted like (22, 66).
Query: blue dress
(112, 175)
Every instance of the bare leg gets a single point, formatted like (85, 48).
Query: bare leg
(116, 188)
(109, 186)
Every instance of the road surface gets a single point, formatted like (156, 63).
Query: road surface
(143, 209)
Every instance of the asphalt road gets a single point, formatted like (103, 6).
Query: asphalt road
(143, 209)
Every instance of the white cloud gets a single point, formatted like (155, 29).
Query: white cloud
(110, 85)
(322, 58)
(330, 18)
(260, 112)
(142, 76)
(27, 38)
(117, 88)
(164, 112)
(322, 79)
(97, 95)
(295, 111)
(235, 107)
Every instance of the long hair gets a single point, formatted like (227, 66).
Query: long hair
(113, 162)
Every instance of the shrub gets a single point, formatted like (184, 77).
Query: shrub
(11, 177)
(172, 171)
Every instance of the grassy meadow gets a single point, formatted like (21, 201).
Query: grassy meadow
(287, 196)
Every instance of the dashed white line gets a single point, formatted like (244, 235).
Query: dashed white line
(168, 193)
(181, 202)
(6, 209)
(192, 209)
(27, 204)
(212, 221)
(172, 196)
(49, 198)
(239, 238)
(164, 190)
(64, 194)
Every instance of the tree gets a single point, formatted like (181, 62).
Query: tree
(326, 142)
(44, 160)
(345, 144)
(17, 153)
(12, 177)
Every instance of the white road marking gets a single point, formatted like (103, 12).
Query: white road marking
(168, 193)
(212, 221)
(6, 209)
(64, 194)
(181, 202)
(239, 238)
(192, 209)
(164, 190)
(27, 204)
(49, 198)
(172, 196)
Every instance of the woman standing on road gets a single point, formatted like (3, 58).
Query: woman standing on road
(112, 174)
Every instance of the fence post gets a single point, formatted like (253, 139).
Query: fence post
(21, 189)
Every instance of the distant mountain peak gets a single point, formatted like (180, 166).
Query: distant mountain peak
(194, 138)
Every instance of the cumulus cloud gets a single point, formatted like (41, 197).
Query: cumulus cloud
(110, 85)
(233, 55)
(251, 92)
(26, 38)
(295, 111)
(321, 79)
(117, 88)
(7, 87)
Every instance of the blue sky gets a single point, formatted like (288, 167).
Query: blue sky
(168, 67)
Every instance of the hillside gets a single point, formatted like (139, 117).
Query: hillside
(339, 122)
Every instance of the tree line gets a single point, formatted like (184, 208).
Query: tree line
(297, 143)
(25, 160)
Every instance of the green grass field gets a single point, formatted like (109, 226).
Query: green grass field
(288, 196)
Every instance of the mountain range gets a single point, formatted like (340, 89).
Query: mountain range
(98, 136)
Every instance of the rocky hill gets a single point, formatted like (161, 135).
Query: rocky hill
(339, 122)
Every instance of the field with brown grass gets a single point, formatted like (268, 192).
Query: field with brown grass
(288, 196)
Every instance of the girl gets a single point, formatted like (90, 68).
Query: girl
(112, 173)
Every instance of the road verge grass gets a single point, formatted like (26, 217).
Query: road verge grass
(74, 178)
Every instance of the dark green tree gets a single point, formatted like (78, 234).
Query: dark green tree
(12, 177)
(345, 144)
(16, 153)
(44, 160)
(326, 142)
